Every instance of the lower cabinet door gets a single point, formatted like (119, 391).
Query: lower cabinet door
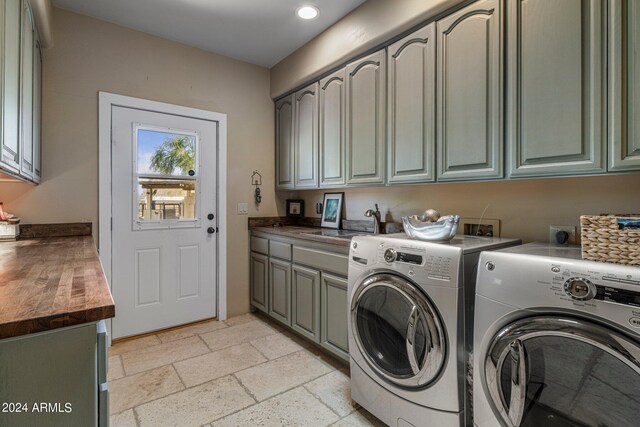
(259, 272)
(334, 314)
(305, 301)
(279, 293)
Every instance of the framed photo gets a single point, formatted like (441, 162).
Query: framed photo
(332, 210)
(295, 208)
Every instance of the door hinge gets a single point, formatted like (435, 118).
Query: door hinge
(111, 223)
(216, 229)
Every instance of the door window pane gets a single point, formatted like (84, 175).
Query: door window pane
(573, 383)
(166, 199)
(165, 153)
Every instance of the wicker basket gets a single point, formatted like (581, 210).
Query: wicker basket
(602, 240)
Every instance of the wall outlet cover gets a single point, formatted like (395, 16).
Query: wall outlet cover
(570, 229)
(243, 208)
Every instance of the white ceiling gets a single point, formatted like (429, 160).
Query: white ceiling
(262, 32)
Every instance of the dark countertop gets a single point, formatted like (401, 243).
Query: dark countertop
(299, 232)
(50, 283)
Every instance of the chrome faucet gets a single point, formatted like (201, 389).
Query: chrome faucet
(376, 219)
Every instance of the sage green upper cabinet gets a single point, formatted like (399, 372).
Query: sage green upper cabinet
(306, 137)
(411, 107)
(556, 67)
(284, 143)
(469, 109)
(332, 130)
(624, 85)
(366, 104)
(37, 110)
(26, 91)
(10, 84)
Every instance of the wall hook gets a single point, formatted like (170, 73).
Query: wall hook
(256, 179)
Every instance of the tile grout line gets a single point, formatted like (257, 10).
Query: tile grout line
(320, 400)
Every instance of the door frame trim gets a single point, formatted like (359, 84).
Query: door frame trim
(106, 102)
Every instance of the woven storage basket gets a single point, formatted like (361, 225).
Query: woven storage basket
(602, 240)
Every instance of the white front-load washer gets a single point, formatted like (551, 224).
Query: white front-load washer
(410, 326)
(556, 341)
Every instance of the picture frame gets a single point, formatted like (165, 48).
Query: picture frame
(332, 210)
(295, 208)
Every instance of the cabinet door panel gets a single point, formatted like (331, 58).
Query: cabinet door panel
(37, 111)
(279, 293)
(259, 281)
(305, 302)
(555, 115)
(332, 130)
(10, 42)
(365, 119)
(26, 96)
(334, 314)
(306, 137)
(470, 93)
(411, 105)
(284, 143)
(624, 85)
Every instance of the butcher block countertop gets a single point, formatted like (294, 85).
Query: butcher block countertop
(50, 283)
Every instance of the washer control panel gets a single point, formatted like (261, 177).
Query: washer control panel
(436, 266)
(580, 288)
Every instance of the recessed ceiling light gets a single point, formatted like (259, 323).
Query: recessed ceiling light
(307, 12)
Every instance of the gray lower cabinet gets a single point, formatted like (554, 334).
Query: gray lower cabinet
(469, 108)
(279, 293)
(411, 68)
(334, 312)
(305, 302)
(332, 130)
(305, 137)
(259, 280)
(10, 84)
(284, 143)
(555, 119)
(64, 369)
(624, 85)
(365, 119)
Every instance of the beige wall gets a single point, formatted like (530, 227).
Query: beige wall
(526, 208)
(90, 56)
(369, 25)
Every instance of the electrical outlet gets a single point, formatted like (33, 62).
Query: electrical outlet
(243, 208)
(570, 229)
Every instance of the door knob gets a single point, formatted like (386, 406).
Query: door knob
(210, 216)
(211, 230)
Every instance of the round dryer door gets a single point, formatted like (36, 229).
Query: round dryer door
(563, 371)
(398, 331)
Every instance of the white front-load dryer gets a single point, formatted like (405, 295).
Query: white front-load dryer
(557, 340)
(408, 337)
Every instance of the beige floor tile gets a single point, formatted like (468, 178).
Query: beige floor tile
(132, 391)
(239, 334)
(115, 368)
(360, 418)
(276, 376)
(293, 408)
(334, 390)
(274, 346)
(123, 419)
(189, 331)
(162, 354)
(133, 344)
(196, 406)
(239, 320)
(218, 364)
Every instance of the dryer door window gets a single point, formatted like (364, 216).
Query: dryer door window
(398, 331)
(564, 372)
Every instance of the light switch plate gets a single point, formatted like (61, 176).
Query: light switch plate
(243, 208)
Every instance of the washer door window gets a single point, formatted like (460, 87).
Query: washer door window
(398, 331)
(563, 372)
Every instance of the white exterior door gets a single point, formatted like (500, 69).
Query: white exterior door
(164, 236)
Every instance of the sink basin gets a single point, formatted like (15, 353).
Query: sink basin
(341, 234)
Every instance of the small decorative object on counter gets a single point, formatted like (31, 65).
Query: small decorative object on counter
(332, 210)
(256, 179)
(9, 225)
(611, 238)
(431, 227)
(295, 208)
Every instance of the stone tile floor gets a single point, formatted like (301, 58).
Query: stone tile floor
(245, 371)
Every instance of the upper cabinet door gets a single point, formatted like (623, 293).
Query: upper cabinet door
(366, 119)
(306, 137)
(37, 110)
(284, 143)
(624, 85)
(411, 107)
(470, 93)
(555, 120)
(332, 130)
(26, 95)
(10, 84)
